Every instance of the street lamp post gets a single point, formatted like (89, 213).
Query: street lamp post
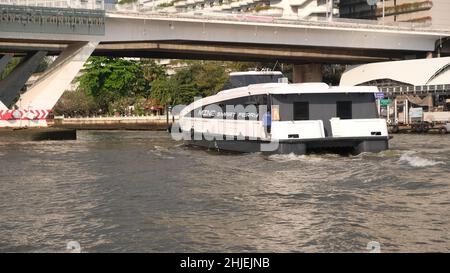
(331, 10)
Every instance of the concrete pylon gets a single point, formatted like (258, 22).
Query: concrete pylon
(4, 60)
(15, 81)
(307, 73)
(47, 90)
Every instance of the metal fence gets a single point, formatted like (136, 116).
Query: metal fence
(78, 4)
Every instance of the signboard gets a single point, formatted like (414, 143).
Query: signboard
(379, 95)
(372, 2)
(385, 102)
(416, 112)
(53, 20)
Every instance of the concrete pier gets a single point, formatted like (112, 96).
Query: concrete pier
(36, 134)
(307, 73)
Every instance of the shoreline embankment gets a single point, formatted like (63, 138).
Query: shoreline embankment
(151, 123)
(66, 128)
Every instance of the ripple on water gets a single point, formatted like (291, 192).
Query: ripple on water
(141, 191)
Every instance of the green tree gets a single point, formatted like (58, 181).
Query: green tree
(119, 106)
(75, 103)
(208, 77)
(139, 106)
(164, 90)
(332, 73)
(109, 80)
(172, 92)
(152, 71)
(198, 78)
(10, 67)
(43, 65)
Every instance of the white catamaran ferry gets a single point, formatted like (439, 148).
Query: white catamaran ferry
(285, 118)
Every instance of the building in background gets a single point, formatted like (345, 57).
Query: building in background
(279, 8)
(357, 9)
(430, 12)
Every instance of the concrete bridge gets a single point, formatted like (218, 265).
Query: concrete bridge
(75, 34)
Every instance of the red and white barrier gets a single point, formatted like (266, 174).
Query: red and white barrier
(24, 114)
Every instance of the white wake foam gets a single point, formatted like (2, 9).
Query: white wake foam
(417, 161)
(295, 157)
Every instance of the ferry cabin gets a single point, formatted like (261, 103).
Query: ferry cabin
(303, 117)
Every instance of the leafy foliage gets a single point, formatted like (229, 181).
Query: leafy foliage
(332, 73)
(9, 67)
(108, 80)
(75, 103)
(42, 66)
(197, 79)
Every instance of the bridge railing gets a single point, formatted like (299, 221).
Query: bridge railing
(437, 89)
(139, 9)
(78, 4)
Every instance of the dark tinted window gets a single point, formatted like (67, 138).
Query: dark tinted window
(344, 109)
(301, 111)
(244, 80)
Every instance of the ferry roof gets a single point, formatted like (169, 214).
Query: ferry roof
(298, 88)
(279, 88)
(246, 73)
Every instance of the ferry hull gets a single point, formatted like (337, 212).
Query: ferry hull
(354, 145)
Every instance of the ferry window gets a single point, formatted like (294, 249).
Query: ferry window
(301, 110)
(251, 111)
(275, 111)
(344, 109)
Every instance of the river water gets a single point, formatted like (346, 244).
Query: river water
(141, 191)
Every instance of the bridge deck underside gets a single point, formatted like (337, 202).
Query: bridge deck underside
(247, 52)
(217, 51)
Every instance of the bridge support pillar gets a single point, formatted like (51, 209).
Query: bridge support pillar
(307, 73)
(15, 81)
(4, 60)
(47, 90)
(36, 103)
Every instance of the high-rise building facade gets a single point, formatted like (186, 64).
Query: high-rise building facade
(431, 12)
(280, 8)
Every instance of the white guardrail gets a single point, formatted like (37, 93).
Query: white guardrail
(77, 4)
